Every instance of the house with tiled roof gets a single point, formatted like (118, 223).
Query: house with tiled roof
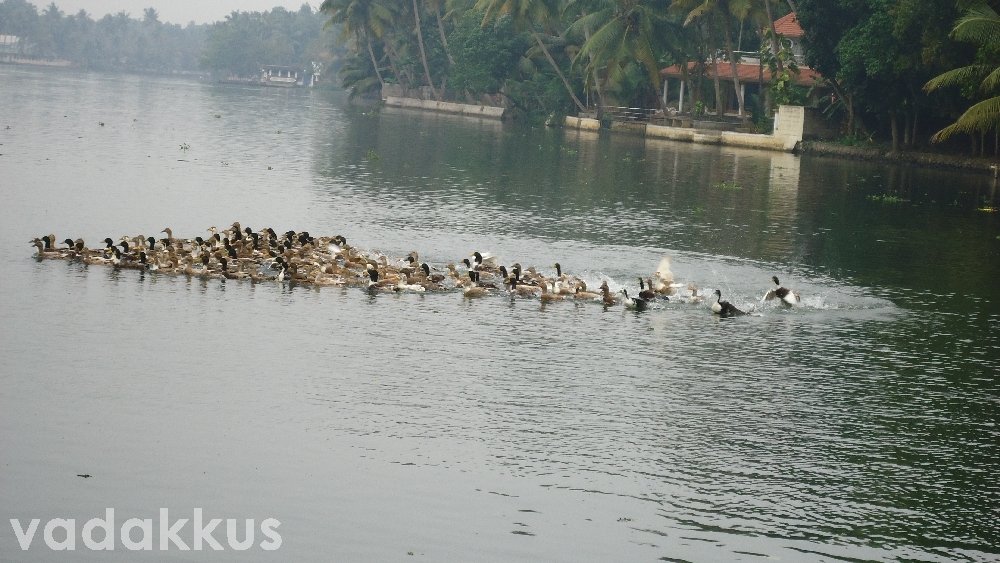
(749, 70)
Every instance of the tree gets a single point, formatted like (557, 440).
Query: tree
(981, 26)
(18, 17)
(620, 34)
(725, 10)
(423, 52)
(485, 57)
(525, 15)
(362, 19)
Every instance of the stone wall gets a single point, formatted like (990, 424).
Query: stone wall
(490, 112)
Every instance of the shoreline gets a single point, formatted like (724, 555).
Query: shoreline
(925, 159)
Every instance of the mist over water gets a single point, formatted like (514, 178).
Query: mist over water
(858, 425)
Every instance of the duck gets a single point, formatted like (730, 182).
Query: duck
(231, 275)
(519, 289)
(606, 295)
(549, 296)
(582, 293)
(725, 309)
(636, 303)
(477, 279)
(45, 250)
(565, 284)
(645, 292)
(695, 296)
(787, 296)
(485, 261)
(475, 290)
(375, 284)
(404, 285)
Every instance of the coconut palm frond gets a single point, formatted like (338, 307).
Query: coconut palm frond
(697, 13)
(958, 77)
(981, 117)
(980, 24)
(991, 84)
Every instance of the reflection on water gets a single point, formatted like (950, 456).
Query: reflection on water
(860, 425)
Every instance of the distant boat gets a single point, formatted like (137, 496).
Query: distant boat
(275, 75)
(286, 76)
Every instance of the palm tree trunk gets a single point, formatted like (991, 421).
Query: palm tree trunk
(444, 38)
(423, 55)
(555, 67)
(597, 78)
(371, 53)
(847, 101)
(402, 77)
(732, 59)
(775, 47)
(894, 126)
(719, 110)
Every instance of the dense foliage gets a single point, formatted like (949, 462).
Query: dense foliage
(238, 45)
(904, 72)
(114, 42)
(244, 41)
(568, 56)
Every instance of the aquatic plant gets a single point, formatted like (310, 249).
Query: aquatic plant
(728, 186)
(885, 198)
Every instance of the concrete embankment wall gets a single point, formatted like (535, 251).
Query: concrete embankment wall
(584, 123)
(489, 112)
(788, 132)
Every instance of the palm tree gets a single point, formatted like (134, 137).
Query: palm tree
(435, 6)
(361, 18)
(525, 14)
(423, 53)
(725, 9)
(624, 31)
(979, 25)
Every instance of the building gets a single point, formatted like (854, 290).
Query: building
(752, 74)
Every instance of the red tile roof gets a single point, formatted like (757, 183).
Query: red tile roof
(747, 73)
(788, 26)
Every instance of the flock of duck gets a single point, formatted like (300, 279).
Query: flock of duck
(297, 257)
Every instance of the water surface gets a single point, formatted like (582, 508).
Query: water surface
(861, 425)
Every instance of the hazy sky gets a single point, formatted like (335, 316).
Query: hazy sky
(173, 11)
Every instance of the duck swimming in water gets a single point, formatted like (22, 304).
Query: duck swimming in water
(787, 296)
(475, 290)
(606, 295)
(645, 292)
(635, 304)
(725, 309)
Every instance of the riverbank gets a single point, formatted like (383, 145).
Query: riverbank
(787, 139)
(931, 160)
(788, 132)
